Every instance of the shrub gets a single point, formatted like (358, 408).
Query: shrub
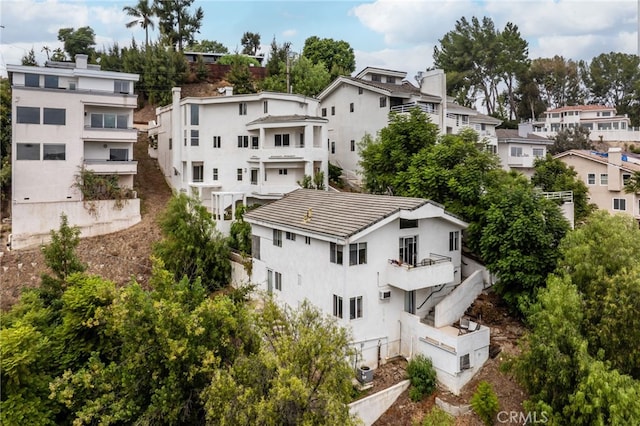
(438, 417)
(485, 403)
(422, 376)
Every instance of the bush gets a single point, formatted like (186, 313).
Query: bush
(438, 417)
(422, 376)
(485, 403)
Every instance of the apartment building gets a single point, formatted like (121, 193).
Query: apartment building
(69, 116)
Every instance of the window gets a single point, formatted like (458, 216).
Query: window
(254, 176)
(255, 246)
(538, 152)
(265, 106)
(383, 102)
(408, 250)
(410, 301)
(195, 137)
(333, 110)
(195, 114)
(109, 121)
(51, 81)
(335, 253)
(118, 154)
(324, 112)
(217, 142)
(454, 237)
(360, 90)
(243, 141)
(170, 144)
(376, 77)
(242, 108)
(353, 145)
(357, 253)
(625, 178)
(277, 237)
(215, 173)
(198, 172)
(54, 116)
(122, 121)
(604, 179)
(278, 277)
(254, 142)
(290, 236)
(239, 175)
(333, 147)
(591, 179)
(337, 306)
(355, 307)
(351, 107)
(391, 80)
(32, 80)
(619, 204)
(51, 151)
(282, 140)
(28, 151)
(307, 240)
(120, 86)
(464, 362)
(516, 151)
(269, 281)
(282, 171)
(28, 115)
(408, 223)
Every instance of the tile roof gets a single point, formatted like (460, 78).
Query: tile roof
(285, 119)
(339, 214)
(630, 162)
(580, 108)
(404, 88)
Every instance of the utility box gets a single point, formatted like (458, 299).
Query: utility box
(365, 374)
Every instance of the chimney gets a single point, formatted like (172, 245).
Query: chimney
(81, 61)
(613, 169)
(524, 129)
(615, 156)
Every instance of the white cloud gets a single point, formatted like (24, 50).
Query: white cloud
(289, 33)
(411, 60)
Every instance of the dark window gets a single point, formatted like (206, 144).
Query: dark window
(195, 114)
(239, 175)
(383, 102)
(351, 107)
(335, 253)
(32, 80)
(170, 144)
(619, 204)
(122, 121)
(454, 238)
(254, 142)
(337, 306)
(242, 108)
(357, 253)
(282, 140)
(333, 147)
(254, 176)
(243, 141)
(120, 86)
(255, 246)
(265, 106)
(290, 236)
(408, 223)
(391, 80)
(307, 240)
(216, 142)
(51, 81)
(52, 151)
(215, 174)
(28, 115)
(333, 110)
(355, 307)
(301, 140)
(54, 116)
(282, 171)
(198, 172)
(118, 154)
(278, 277)
(28, 151)
(360, 90)
(195, 137)
(353, 145)
(376, 77)
(324, 112)
(277, 237)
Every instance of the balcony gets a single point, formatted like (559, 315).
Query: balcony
(432, 271)
(109, 134)
(107, 167)
(521, 161)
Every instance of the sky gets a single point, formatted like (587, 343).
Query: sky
(392, 34)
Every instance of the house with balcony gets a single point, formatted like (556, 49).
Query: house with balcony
(70, 116)
(518, 149)
(603, 123)
(233, 149)
(605, 174)
(388, 268)
(360, 105)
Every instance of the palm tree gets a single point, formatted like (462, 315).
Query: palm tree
(143, 12)
(633, 184)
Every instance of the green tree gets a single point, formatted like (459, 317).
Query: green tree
(238, 59)
(485, 403)
(552, 174)
(612, 79)
(207, 46)
(240, 76)
(307, 78)
(58, 55)
(240, 233)
(161, 69)
(422, 376)
(558, 81)
(518, 239)
(336, 55)
(5, 138)
(77, 41)
(300, 375)
(250, 43)
(143, 14)
(633, 184)
(571, 138)
(191, 246)
(30, 58)
(177, 25)
(382, 159)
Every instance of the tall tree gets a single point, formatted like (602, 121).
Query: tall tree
(336, 55)
(30, 58)
(240, 76)
(571, 138)
(392, 151)
(513, 63)
(633, 185)
(612, 79)
(250, 43)
(77, 41)
(207, 46)
(143, 14)
(177, 25)
(558, 81)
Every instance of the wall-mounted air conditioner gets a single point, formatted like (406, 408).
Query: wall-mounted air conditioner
(384, 294)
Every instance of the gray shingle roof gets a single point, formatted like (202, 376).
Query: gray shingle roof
(512, 135)
(339, 214)
(285, 119)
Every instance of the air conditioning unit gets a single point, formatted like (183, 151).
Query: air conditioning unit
(384, 294)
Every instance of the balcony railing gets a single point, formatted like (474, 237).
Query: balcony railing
(111, 167)
(110, 134)
(429, 272)
(406, 108)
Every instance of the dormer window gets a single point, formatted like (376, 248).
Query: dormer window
(391, 80)
(376, 77)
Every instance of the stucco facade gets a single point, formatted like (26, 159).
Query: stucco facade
(68, 116)
(519, 149)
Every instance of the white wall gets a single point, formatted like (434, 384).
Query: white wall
(458, 301)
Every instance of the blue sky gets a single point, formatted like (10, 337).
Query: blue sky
(396, 34)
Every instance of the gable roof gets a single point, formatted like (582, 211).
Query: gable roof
(630, 163)
(338, 214)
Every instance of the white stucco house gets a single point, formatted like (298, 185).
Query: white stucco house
(359, 105)
(388, 268)
(68, 116)
(518, 149)
(602, 121)
(233, 149)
